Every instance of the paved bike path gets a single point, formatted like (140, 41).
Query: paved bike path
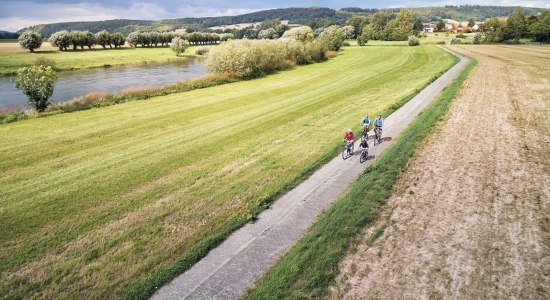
(227, 271)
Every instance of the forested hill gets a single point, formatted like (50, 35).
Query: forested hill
(458, 12)
(295, 15)
(313, 16)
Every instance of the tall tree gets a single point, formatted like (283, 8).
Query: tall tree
(30, 40)
(516, 26)
(373, 31)
(440, 25)
(540, 28)
(399, 28)
(418, 25)
(494, 30)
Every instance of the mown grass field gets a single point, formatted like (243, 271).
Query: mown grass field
(12, 58)
(96, 200)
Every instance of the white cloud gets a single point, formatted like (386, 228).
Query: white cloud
(17, 15)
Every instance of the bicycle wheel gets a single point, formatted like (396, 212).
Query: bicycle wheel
(364, 156)
(345, 153)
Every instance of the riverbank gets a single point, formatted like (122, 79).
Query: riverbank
(12, 59)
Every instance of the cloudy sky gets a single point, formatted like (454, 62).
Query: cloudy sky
(15, 14)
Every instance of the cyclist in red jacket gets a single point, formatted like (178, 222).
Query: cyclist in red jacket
(348, 139)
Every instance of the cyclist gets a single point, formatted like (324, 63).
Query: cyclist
(378, 123)
(365, 145)
(348, 138)
(366, 124)
(364, 142)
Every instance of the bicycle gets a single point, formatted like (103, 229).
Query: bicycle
(377, 135)
(348, 149)
(364, 154)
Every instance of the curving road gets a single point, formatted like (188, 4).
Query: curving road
(231, 268)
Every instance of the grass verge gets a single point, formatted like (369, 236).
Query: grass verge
(144, 289)
(311, 266)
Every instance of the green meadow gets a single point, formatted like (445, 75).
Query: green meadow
(95, 201)
(12, 58)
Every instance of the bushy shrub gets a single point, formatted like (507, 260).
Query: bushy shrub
(43, 61)
(103, 38)
(118, 39)
(304, 53)
(346, 44)
(61, 40)
(461, 36)
(226, 37)
(269, 33)
(363, 39)
(246, 57)
(333, 36)
(30, 40)
(477, 38)
(349, 32)
(440, 43)
(179, 45)
(302, 33)
(201, 50)
(413, 40)
(37, 83)
(455, 41)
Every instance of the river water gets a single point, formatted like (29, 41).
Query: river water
(72, 84)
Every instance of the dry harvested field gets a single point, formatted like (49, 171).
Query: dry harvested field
(15, 47)
(469, 217)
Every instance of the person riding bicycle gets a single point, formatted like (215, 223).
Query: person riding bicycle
(378, 123)
(348, 138)
(364, 142)
(366, 122)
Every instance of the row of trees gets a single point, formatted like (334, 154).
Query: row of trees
(64, 39)
(517, 26)
(155, 38)
(379, 26)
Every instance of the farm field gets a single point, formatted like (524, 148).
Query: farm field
(469, 216)
(95, 200)
(12, 57)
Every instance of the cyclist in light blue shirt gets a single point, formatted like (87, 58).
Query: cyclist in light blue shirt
(365, 122)
(378, 123)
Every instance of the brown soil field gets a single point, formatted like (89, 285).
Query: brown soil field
(469, 217)
(15, 47)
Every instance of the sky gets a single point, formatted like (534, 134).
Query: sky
(15, 14)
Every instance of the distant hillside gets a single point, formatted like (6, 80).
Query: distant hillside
(295, 15)
(8, 35)
(315, 16)
(459, 12)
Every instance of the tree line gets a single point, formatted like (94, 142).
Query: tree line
(79, 39)
(517, 26)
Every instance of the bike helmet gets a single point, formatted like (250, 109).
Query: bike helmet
(349, 130)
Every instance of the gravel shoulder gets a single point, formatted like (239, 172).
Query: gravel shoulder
(469, 217)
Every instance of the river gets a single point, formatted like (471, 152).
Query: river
(72, 84)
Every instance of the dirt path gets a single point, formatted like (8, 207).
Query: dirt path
(471, 214)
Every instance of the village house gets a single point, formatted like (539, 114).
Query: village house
(429, 27)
